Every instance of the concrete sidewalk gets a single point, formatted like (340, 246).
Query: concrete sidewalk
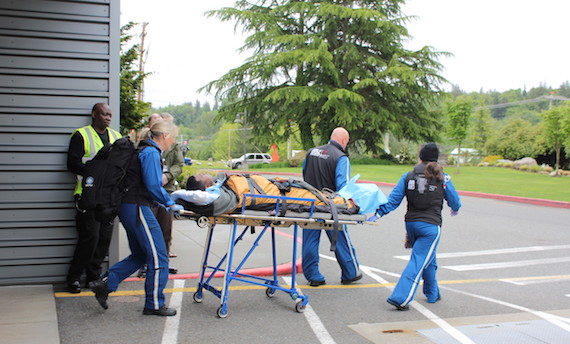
(28, 315)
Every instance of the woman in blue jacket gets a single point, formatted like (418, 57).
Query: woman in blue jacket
(146, 241)
(425, 189)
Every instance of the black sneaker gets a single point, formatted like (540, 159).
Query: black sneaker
(162, 311)
(395, 304)
(142, 272)
(317, 283)
(172, 270)
(101, 292)
(357, 278)
(74, 287)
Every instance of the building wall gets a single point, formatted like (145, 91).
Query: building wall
(57, 59)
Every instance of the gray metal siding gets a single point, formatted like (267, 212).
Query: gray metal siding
(57, 59)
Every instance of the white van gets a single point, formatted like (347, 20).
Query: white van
(249, 159)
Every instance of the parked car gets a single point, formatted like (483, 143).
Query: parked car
(187, 161)
(250, 158)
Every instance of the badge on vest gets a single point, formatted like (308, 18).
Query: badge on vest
(89, 182)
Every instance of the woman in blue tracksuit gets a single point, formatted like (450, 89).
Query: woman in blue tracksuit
(146, 241)
(425, 189)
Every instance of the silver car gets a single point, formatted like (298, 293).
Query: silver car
(249, 159)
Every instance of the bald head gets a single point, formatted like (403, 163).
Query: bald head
(341, 136)
(153, 118)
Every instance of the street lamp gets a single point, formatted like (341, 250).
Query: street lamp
(244, 122)
(230, 144)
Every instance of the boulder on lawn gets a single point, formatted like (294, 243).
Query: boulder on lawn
(525, 161)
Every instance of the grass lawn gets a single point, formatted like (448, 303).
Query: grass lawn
(494, 180)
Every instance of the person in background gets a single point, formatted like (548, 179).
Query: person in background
(144, 186)
(93, 237)
(328, 167)
(425, 188)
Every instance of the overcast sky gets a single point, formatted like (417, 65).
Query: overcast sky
(496, 44)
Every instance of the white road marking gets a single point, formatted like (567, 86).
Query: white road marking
(497, 251)
(553, 319)
(502, 265)
(170, 334)
(530, 281)
(444, 325)
(313, 319)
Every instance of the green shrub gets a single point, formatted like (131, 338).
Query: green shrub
(187, 171)
(509, 164)
(535, 168)
(499, 164)
(524, 167)
(547, 169)
(279, 164)
(297, 160)
(370, 161)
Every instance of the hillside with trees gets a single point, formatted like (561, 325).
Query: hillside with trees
(507, 123)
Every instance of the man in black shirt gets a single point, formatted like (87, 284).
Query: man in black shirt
(93, 237)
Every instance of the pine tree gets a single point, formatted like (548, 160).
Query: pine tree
(317, 65)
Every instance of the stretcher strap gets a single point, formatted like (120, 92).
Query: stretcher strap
(335, 224)
(254, 186)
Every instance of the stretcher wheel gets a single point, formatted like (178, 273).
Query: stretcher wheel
(203, 222)
(270, 292)
(222, 313)
(177, 215)
(299, 307)
(197, 297)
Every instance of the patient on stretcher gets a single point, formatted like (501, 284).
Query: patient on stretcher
(206, 197)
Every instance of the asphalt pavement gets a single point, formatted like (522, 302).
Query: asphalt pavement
(503, 271)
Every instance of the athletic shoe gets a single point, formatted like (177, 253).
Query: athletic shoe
(162, 311)
(397, 305)
(317, 283)
(101, 292)
(74, 287)
(357, 278)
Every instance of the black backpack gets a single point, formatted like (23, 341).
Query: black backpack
(103, 181)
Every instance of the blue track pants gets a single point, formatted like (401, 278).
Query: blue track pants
(424, 238)
(345, 254)
(146, 242)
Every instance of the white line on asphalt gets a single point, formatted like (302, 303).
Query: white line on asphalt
(497, 251)
(553, 319)
(501, 265)
(170, 334)
(530, 282)
(444, 325)
(313, 319)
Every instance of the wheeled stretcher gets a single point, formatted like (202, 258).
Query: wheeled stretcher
(267, 221)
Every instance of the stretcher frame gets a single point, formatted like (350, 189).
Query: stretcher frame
(251, 219)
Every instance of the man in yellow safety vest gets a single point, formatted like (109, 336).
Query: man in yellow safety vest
(93, 237)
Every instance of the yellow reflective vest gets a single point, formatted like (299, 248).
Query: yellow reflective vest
(91, 145)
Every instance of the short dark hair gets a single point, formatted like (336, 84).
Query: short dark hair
(193, 184)
(96, 107)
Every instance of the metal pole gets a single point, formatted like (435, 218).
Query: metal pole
(229, 146)
(244, 134)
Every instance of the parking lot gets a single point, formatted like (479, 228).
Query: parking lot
(503, 271)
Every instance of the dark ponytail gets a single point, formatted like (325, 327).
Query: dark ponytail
(434, 171)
